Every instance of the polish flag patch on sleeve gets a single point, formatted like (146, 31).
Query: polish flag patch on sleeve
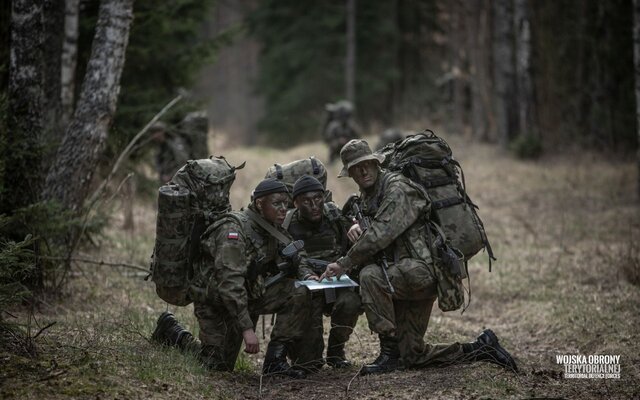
(232, 235)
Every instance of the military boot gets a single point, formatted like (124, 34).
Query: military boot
(388, 360)
(487, 348)
(168, 331)
(275, 362)
(335, 355)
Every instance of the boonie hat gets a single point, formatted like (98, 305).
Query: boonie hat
(355, 152)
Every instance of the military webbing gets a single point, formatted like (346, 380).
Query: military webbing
(257, 218)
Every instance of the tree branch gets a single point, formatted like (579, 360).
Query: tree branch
(98, 262)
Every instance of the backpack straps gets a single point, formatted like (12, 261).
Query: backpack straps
(257, 218)
(279, 174)
(314, 165)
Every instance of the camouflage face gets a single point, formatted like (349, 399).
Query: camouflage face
(310, 205)
(273, 207)
(355, 152)
(364, 174)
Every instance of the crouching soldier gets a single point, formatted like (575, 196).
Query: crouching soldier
(239, 254)
(398, 300)
(324, 231)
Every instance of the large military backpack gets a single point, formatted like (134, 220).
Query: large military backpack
(427, 160)
(196, 196)
(291, 172)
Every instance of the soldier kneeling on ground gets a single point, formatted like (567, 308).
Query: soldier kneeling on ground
(398, 300)
(239, 253)
(324, 231)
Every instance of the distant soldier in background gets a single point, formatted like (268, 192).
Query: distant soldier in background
(324, 231)
(339, 127)
(389, 136)
(194, 128)
(176, 145)
(172, 151)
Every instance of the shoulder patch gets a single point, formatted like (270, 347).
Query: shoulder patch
(233, 235)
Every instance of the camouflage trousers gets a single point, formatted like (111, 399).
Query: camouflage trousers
(221, 338)
(344, 312)
(405, 314)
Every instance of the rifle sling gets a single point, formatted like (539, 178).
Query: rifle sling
(257, 218)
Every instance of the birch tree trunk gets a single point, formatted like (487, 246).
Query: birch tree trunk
(527, 121)
(70, 176)
(350, 61)
(69, 59)
(504, 73)
(636, 61)
(22, 179)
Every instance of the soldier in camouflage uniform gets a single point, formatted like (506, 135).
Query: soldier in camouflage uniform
(324, 231)
(172, 151)
(194, 129)
(339, 127)
(229, 291)
(389, 136)
(399, 209)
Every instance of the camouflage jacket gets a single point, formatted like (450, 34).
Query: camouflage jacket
(171, 155)
(237, 257)
(397, 209)
(338, 131)
(326, 240)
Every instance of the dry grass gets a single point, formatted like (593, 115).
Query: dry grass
(565, 231)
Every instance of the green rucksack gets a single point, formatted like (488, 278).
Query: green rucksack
(289, 173)
(197, 196)
(427, 160)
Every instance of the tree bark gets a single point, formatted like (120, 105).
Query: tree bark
(350, 61)
(527, 121)
(53, 25)
(504, 72)
(22, 178)
(636, 61)
(458, 56)
(69, 59)
(479, 44)
(70, 176)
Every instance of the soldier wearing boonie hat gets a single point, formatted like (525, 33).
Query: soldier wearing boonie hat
(355, 152)
(398, 307)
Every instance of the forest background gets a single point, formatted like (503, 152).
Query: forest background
(538, 97)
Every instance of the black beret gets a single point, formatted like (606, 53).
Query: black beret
(306, 184)
(269, 186)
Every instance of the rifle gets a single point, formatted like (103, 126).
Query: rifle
(364, 224)
(290, 254)
(317, 266)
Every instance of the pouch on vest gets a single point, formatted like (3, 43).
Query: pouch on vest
(450, 270)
